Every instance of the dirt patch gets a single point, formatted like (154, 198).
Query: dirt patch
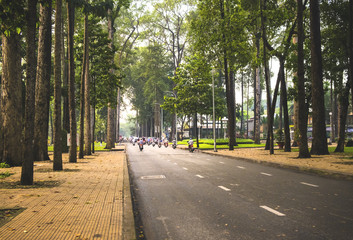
(7, 215)
(38, 184)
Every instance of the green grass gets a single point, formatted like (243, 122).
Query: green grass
(348, 151)
(5, 174)
(222, 143)
(97, 147)
(208, 146)
(4, 165)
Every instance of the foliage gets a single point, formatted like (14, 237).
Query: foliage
(147, 79)
(12, 16)
(4, 165)
(105, 74)
(279, 135)
(5, 174)
(193, 86)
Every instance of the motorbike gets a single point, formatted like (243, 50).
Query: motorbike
(191, 148)
(141, 146)
(159, 144)
(174, 145)
(166, 144)
(153, 144)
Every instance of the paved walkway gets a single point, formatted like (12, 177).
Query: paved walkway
(87, 200)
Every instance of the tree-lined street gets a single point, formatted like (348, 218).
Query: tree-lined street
(184, 195)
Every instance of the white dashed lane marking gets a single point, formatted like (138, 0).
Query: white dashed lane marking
(309, 184)
(221, 162)
(185, 168)
(266, 174)
(224, 188)
(199, 176)
(273, 211)
(240, 167)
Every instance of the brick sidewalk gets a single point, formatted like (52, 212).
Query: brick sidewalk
(88, 200)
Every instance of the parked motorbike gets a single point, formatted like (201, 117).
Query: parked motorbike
(141, 146)
(174, 145)
(166, 144)
(159, 144)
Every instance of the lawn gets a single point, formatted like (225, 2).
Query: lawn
(97, 147)
(222, 143)
(347, 150)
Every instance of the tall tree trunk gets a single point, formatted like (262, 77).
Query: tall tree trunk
(28, 146)
(42, 94)
(269, 142)
(302, 105)
(287, 146)
(57, 89)
(229, 86)
(93, 114)
(257, 93)
(247, 109)
(295, 122)
(242, 106)
(343, 112)
(111, 110)
(71, 80)
(319, 145)
(82, 103)
(1, 131)
(87, 93)
(350, 46)
(11, 99)
(64, 64)
(332, 133)
(117, 137)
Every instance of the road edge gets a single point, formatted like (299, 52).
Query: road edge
(129, 232)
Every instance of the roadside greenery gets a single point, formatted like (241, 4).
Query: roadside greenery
(97, 147)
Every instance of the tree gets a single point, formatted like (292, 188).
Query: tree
(112, 14)
(71, 81)
(11, 96)
(169, 29)
(229, 78)
(303, 107)
(57, 88)
(87, 91)
(84, 73)
(335, 43)
(319, 145)
(111, 111)
(28, 153)
(193, 81)
(218, 33)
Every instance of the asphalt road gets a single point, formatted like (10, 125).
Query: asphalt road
(182, 195)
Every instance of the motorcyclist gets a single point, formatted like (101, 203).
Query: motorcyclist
(190, 143)
(141, 144)
(166, 142)
(174, 143)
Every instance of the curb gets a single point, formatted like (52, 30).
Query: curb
(314, 171)
(129, 232)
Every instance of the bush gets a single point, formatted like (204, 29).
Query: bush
(4, 165)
